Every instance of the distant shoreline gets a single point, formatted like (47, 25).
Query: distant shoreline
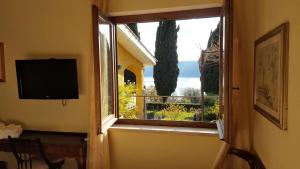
(182, 83)
(178, 77)
(186, 69)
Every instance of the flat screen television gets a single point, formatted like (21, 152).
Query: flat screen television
(47, 79)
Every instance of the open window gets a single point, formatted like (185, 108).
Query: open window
(120, 58)
(105, 94)
(175, 70)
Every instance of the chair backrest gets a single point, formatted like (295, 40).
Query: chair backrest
(3, 165)
(24, 150)
(253, 160)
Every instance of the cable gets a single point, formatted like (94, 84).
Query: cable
(64, 102)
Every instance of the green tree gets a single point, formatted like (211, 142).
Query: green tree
(151, 92)
(210, 67)
(210, 77)
(214, 37)
(134, 29)
(166, 71)
(193, 93)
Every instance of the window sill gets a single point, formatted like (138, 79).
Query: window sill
(165, 129)
(167, 123)
(107, 123)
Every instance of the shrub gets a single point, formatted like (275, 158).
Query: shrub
(175, 112)
(129, 114)
(209, 101)
(212, 112)
(151, 91)
(126, 92)
(194, 93)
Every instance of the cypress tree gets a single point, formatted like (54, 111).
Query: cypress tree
(210, 77)
(166, 71)
(210, 70)
(134, 29)
(214, 37)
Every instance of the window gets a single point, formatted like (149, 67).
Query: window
(104, 70)
(132, 98)
(169, 70)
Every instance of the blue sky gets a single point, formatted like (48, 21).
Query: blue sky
(192, 36)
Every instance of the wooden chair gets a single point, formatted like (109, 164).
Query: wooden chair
(30, 154)
(254, 161)
(3, 165)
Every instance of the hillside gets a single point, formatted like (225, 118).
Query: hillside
(186, 69)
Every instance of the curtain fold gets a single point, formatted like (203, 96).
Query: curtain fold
(241, 99)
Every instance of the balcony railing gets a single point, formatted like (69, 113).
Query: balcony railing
(176, 108)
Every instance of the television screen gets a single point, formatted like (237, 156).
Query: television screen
(47, 79)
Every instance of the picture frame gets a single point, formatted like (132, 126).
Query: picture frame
(270, 97)
(2, 63)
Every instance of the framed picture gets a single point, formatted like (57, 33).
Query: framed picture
(271, 75)
(2, 63)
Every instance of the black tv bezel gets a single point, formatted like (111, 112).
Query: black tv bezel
(18, 73)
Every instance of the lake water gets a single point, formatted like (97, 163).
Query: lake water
(182, 83)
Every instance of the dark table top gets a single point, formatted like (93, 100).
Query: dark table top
(49, 137)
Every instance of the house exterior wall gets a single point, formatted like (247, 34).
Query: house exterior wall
(128, 61)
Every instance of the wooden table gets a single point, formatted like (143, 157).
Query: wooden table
(57, 144)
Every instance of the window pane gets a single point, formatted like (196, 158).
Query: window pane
(169, 70)
(105, 70)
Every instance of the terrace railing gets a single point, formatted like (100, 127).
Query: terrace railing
(178, 108)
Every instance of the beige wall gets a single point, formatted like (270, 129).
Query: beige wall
(159, 150)
(278, 149)
(35, 29)
(243, 43)
(125, 7)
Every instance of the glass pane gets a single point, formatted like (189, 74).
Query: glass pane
(169, 70)
(105, 70)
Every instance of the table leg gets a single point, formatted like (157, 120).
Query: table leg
(81, 164)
